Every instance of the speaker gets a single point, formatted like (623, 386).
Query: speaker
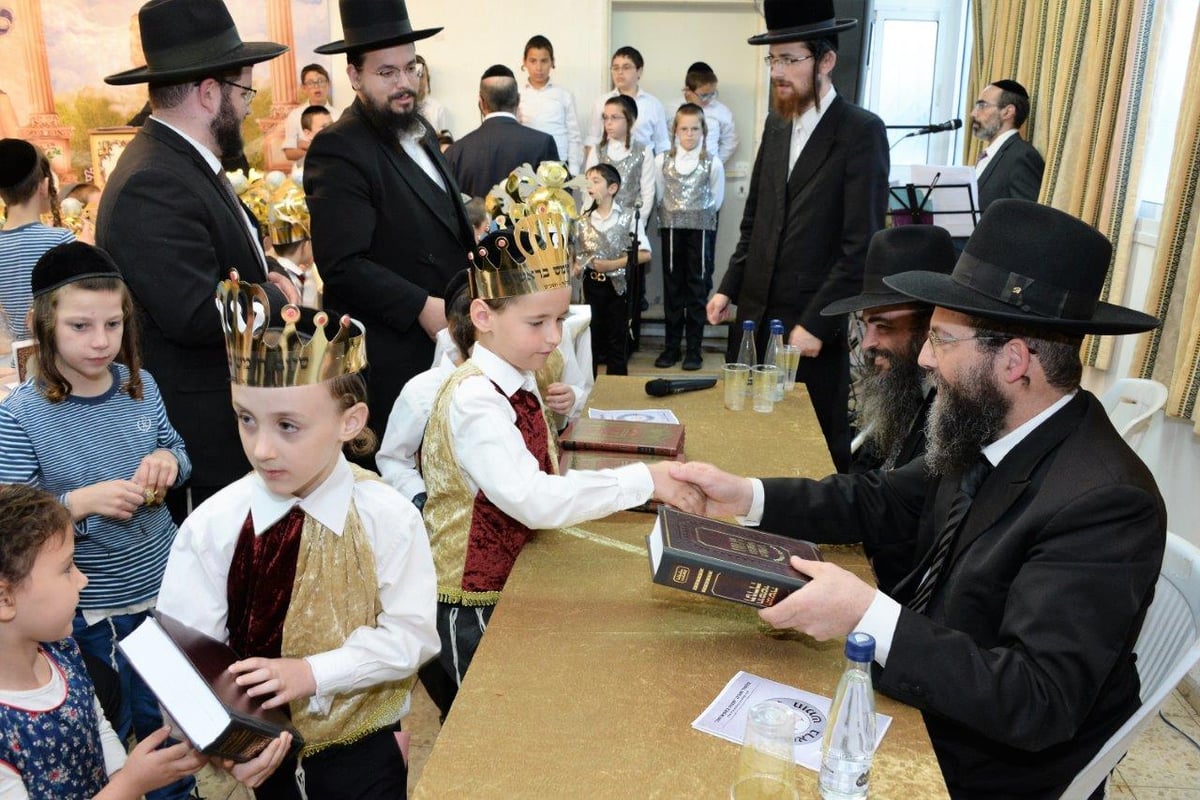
(854, 48)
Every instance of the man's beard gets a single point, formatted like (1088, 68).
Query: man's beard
(795, 102)
(226, 128)
(384, 119)
(963, 419)
(890, 399)
(984, 132)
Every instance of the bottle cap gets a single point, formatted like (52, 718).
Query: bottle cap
(860, 647)
(748, 325)
(776, 326)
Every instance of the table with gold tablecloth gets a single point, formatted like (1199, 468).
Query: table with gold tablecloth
(589, 675)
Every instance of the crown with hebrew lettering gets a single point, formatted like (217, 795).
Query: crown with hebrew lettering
(300, 348)
(530, 257)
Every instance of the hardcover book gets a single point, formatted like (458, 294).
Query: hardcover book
(188, 673)
(720, 559)
(646, 438)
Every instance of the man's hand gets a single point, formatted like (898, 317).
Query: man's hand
(433, 316)
(830, 605)
(112, 499)
(725, 495)
(559, 398)
(158, 471)
(284, 285)
(810, 346)
(718, 309)
(258, 769)
(283, 679)
(149, 768)
(673, 492)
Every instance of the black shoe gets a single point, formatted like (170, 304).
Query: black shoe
(693, 361)
(668, 358)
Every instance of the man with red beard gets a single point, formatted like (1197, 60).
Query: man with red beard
(1039, 533)
(818, 194)
(389, 228)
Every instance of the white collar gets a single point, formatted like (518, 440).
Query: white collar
(507, 114)
(995, 144)
(499, 371)
(289, 265)
(532, 88)
(209, 156)
(328, 503)
(809, 119)
(997, 450)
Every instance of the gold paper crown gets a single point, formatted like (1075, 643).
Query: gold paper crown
(277, 203)
(300, 353)
(531, 257)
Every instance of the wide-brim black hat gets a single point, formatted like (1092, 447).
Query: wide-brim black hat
(1029, 263)
(374, 25)
(68, 263)
(800, 21)
(891, 252)
(185, 39)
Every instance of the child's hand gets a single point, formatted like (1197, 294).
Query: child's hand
(559, 398)
(157, 471)
(112, 499)
(149, 768)
(284, 679)
(258, 769)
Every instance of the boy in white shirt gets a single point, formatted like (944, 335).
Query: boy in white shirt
(548, 107)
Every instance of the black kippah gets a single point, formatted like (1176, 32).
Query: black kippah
(1005, 85)
(68, 263)
(498, 71)
(457, 283)
(18, 160)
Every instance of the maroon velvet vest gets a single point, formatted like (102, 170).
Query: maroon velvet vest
(259, 588)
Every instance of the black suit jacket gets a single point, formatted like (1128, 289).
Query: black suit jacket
(385, 238)
(486, 155)
(1016, 171)
(1023, 664)
(175, 233)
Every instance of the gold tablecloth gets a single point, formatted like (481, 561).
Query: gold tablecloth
(589, 675)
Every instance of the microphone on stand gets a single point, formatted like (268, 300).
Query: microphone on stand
(661, 387)
(948, 125)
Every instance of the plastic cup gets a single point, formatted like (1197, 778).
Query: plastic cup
(765, 380)
(737, 378)
(789, 361)
(766, 769)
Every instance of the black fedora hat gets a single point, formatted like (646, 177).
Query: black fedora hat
(799, 21)
(892, 251)
(373, 25)
(1033, 264)
(185, 39)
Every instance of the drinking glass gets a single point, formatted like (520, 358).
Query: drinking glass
(765, 380)
(789, 358)
(766, 769)
(737, 377)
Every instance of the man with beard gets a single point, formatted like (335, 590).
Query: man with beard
(818, 194)
(1008, 166)
(1039, 533)
(171, 221)
(389, 227)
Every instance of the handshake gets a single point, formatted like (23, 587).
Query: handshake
(700, 488)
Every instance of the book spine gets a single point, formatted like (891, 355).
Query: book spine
(239, 743)
(726, 581)
(620, 447)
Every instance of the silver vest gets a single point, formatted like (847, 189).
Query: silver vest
(630, 168)
(592, 243)
(687, 201)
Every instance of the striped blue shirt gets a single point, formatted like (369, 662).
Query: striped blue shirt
(20, 249)
(87, 440)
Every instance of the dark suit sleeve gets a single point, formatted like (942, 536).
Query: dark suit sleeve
(1071, 608)
(344, 216)
(731, 284)
(1025, 177)
(864, 202)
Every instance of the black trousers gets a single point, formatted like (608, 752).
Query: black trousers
(370, 769)
(461, 629)
(684, 290)
(610, 322)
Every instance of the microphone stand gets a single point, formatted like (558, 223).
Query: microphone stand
(632, 301)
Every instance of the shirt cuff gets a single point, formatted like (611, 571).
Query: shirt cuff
(636, 484)
(881, 619)
(322, 699)
(757, 500)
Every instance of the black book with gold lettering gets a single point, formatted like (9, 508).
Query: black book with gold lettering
(720, 559)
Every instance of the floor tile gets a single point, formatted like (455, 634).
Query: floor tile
(1162, 758)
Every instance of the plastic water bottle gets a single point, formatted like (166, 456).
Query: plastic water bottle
(849, 742)
(746, 353)
(775, 356)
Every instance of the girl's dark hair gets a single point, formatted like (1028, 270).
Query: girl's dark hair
(458, 320)
(29, 518)
(539, 42)
(349, 390)
(53, 386)
(631, 53)
(21, 192)
(622, 102)
(611, 177)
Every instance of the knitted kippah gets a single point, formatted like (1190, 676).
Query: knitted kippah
(18, 159)
(68, 263)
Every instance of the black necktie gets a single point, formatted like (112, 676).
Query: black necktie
(972, 479)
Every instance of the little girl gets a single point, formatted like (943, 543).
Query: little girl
(489, 459)
(57, 743)
(691, 183)
(633, 162)
(602, 239)
(548, 107)
(90, 427)
(314, 571)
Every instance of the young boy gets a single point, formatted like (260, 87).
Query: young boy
(289, 230)
(314, 82)
(313, 120)
(313, 570)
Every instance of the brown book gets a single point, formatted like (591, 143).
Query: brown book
(720, 559)
(24, 352)
(188, 673)
(646, 438)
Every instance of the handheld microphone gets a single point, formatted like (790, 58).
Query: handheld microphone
(661, 387)
(948, 125)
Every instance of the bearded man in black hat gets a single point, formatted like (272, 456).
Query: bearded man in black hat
(170, 219)
(389, 227)
(1039, 533)
(818, 194)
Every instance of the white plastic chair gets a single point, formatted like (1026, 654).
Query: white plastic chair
(1133, 405)
(1168, 647)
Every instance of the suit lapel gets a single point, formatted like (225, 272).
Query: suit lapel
(996, 158)
(816, 149)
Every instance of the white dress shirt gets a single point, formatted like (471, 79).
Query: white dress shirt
(686, 162)
(195, 585)
(617, 151)
(722, 136)
(992, 148)
(805, 124)
(410, 142)
(551, 110)
(650, 128)
(432, 109)
(397, 456)
(493, 457)
(292, 126)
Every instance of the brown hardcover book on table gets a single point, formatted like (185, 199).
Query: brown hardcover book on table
(187, 671)
(646, 438)
(720, 559)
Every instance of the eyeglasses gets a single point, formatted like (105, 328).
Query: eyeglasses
(784, 61)
(702, 96)
(318, 82)
(613, 117)
(247, 93)
(938, 340)
(982, 104)
(413, 71)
